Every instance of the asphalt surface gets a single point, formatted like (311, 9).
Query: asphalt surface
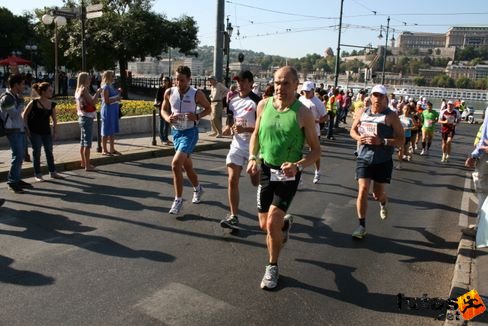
(100, 248)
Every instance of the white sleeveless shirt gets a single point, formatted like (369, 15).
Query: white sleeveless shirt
(181, 104)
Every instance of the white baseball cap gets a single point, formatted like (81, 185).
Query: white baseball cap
(308, 86)
(379, 89)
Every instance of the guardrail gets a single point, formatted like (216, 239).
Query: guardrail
(153, 82)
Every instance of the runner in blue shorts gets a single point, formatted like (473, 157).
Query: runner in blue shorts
(180, 110)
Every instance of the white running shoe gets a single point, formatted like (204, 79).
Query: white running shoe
(443, 159)
(384, 211)
(176, 207)
(359, 233)
(423, 152)
(197, 195)
(270, 278)
(316, 178)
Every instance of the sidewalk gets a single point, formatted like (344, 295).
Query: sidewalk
(135, 147)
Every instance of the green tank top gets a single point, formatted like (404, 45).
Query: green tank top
(280, 137)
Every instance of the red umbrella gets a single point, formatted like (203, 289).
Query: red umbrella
(14, 61)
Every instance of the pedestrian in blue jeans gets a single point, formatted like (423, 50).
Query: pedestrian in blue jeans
(164, 126)
(37, 117)
(12, 107)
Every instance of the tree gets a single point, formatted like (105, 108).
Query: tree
(443, 81)
(128, 30)
(463, 82)
(420, 81)
(15, 32)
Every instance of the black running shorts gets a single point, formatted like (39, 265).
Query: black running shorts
(378, 172)
(277, 193)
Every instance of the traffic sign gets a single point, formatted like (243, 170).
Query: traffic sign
(92, 8)
(94, 14)
(66, 12)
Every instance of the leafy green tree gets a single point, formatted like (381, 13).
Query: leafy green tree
(15, 32)
(443, 81)
(420, 81)
(127, 30)
(463, 82)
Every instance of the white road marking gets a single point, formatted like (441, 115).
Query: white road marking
(178, 304)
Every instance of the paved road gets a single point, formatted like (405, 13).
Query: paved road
(100, 248)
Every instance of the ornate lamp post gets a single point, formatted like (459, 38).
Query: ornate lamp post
(227, 35)
(32, 48)
(58, 21)
(385, 50)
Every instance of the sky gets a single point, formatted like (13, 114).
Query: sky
(292, 29)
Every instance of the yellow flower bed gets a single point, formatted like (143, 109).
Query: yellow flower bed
(66, 108)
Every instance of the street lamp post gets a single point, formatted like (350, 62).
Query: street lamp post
(227, 35)
(32, 48)
(59, 21)
(385, 50)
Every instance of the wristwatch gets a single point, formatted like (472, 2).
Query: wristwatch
(252, 158)
(299, 167)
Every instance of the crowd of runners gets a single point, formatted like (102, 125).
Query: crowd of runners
(276, 135)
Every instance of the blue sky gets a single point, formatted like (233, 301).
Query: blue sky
(294, 29)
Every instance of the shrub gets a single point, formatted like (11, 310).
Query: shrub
(66, 108)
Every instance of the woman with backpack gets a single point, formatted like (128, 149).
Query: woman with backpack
(37, 118)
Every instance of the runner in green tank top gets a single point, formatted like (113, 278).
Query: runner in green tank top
(281, 128)
(280, 139)
(429, 117)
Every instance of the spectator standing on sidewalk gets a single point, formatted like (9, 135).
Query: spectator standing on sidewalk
(180, 110)
(241, 113)
(37, 117)
(87, 111)
(282, 123)
(12, 106)
(478, 159)
(379, 131)
(110, 113)
(332, 112)
(217, 93)
(164, 126)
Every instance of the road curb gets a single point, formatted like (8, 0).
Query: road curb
(130, 156)
(462, 279)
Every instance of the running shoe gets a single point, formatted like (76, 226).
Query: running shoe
(288, 221)
(25, 185)
(316, 178)
(383, 211)
(39, 178)
(423, 152)
(176, 207)
(15, 187)
(230, 222)
(270, 278)
(197, 195)
(447, 158)
(359, 233)
(56, 175)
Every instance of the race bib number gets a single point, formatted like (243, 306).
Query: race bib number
(429, 123)
(368, 129)
(241, 122)
(451, 120)
(278, 175)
